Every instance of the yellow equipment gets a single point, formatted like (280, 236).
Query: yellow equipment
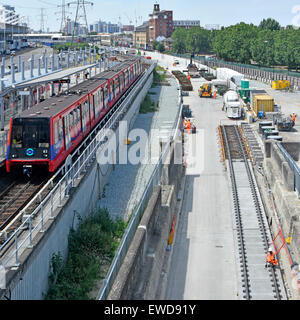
(206, 90)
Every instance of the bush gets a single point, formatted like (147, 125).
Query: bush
(91, 246)
(148, 105)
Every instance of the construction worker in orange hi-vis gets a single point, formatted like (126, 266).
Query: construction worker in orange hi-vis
(293, 116)
(189, 126)
(184, 123)
(215, 95)
(271, 259)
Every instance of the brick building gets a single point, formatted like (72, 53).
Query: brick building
(160, 23)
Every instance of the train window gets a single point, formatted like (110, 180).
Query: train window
(60, 129)
(55, 132)
(78, 114)
(30, 133)
(105, 96)
(101, 99)
(17, 136)
(67, 132)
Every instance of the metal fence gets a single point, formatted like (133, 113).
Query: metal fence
(135, 219)
(294, 166)
(34, 222)
(254, 71)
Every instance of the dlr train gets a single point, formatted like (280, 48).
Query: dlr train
(47, 133)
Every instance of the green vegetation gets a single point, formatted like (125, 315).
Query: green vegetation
(91, 250)
(267, 44)
(75, 45)
(158, 77)
(159, 68)
(148, 105)
(158, 46)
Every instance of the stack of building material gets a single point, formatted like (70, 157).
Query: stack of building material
(256, 152)
(231, 75)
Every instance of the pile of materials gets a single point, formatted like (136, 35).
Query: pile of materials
(183, 80)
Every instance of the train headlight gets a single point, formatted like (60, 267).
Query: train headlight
(14, 156)
(45, 153)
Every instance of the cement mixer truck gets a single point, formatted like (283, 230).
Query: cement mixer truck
(232, 104)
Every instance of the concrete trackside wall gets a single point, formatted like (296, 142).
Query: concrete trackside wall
(139, 275)
(281, 181)
(30, 280)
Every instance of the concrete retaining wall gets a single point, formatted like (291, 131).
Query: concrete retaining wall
(30, 281)
(287, 174)
(139, 275)
(281, 180)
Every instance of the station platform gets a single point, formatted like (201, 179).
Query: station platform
(3, 145)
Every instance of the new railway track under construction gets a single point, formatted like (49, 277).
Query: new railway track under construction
(251, 229)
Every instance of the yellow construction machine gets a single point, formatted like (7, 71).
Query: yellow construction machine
(206, 90)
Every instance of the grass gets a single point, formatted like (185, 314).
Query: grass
(159, 68)
(157, 78)
(91, 248)
(148, 105)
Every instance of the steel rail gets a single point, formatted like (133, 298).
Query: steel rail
(241, 240)
(259, 212)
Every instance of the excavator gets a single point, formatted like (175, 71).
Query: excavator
(206, 90)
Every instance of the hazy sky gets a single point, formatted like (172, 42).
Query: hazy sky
(208, 12)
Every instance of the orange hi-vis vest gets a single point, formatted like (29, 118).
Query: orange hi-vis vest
(294, 117)
(271, 258)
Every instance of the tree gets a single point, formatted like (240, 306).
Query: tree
(233, 43)
(198, 40)
(179, 37)
(161, 47)
(269, 24)
(155, 45)
(287, 48)
(263, 49)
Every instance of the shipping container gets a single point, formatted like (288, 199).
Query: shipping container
(256, 92)
(263, 103)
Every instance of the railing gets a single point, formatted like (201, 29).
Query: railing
(35, 221)
(136, 217)
(293, 166)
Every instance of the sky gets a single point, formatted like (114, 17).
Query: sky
(220, 12)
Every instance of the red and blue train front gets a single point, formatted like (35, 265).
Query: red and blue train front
(28, 144)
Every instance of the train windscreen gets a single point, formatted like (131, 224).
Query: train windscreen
(30, 133)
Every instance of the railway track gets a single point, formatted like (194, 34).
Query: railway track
(252, 231)
(13, 199)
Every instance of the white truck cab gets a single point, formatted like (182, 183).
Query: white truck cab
(232, 104)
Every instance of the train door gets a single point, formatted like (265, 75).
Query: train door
(116, 84)
(85, 118)
(78, 124)
(92, 109)
(67, 131)
(106, 96)
(122, 82)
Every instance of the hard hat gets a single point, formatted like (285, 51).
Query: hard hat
(270, 249)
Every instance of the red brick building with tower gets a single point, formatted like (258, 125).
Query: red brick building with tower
(160, 23)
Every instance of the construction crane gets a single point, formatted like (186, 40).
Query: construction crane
(130, 21)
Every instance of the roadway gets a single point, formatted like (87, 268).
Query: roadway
(27, 54)
(203, 265)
